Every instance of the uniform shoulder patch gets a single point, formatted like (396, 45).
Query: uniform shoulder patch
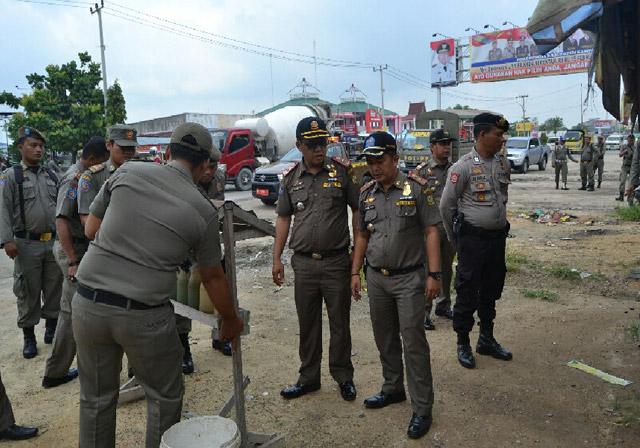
(416, 177)
(421, 166)
(290, 169)
(96, 168)
(341, 161)
(367, 186)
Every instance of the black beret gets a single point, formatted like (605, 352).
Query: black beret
(487, 118)
(441, 136)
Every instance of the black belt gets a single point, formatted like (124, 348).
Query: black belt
(323, 254)
(391, 272)
(48, 236)
(468, 229)
(109, 298)
(77, 240)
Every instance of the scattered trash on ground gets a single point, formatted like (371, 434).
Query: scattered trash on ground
(598, 373)
(542, 216)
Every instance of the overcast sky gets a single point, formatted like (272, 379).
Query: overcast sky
(163, 73)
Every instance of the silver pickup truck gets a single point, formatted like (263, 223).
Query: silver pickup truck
(523, 152)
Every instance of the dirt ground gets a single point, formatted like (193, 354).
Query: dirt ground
(534, 400)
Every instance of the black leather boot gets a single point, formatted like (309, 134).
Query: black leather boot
(487, 345)
(187, 359)
(465, 354)
(50, 330)
(30, 349)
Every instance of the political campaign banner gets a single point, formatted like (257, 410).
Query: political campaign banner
(512, 54)
(443, 63)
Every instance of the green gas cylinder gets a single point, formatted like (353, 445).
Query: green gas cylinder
(182, 287)
(193, 288)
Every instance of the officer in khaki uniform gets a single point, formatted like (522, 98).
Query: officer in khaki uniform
(474, 213)
(69, 247)
(125, 279)
(317, 191)
(27, 228)
(559, 162)
(121, 143)
(8, 428)
(634, 176)
(587, 158)
(598, 156)
(397, 231)
(435, 170)
(626, 153)
(213, 188)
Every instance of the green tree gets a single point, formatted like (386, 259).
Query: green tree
(553, 124)
(461, 107)
(116, 108)
(65, 104)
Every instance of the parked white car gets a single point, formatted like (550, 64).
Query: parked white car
(613, 142)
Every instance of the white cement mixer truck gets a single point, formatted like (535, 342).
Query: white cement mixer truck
(256, 141)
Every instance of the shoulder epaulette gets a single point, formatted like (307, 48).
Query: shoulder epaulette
(290, 169)
(422, 165)
(341, 161)
(421, 180)
(366, 186)
(96, 168)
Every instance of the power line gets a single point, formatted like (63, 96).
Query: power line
(54, 3)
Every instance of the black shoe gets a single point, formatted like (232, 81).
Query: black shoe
(582, 188)
(590, 188)
(599, 184)
(224, 347)
(30, 348)
(565, 188)
(487, 345)
(447, 314)
(620, 198)
(187, 364)
(380, 400)
(557, 186)
(48, 382)
(187, 360)
(50, 330)
(298, 390)
(15, 432)
(465, 356)
(419, 426)
(428, 324)
(348, 391)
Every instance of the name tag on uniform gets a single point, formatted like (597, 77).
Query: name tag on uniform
(335, 184)
(406, 202)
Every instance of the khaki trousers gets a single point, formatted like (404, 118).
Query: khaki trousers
(599, 167)
(316, 280)
(561, 168)
(447, 254)
(397, 309)
(586, 173)
(36, 274)
(149, 338)
(64, 346)
(6, 413)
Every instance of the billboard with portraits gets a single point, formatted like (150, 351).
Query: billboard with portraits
(512, 54)
(443, 63)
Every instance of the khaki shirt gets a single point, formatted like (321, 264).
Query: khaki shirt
(436, 175)
(67, 204)
(626, 152)
(39, 190)
(318, 204)
(396, 220)
(153, 218)
(477, 188)
(90, 183)
(634, 173)
(215, 188)
(599, 151)
(561, 153)
(588, 153)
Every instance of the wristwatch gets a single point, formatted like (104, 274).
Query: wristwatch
(436, 275)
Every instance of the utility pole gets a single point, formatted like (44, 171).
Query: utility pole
(98, 9)
(271, 71)
(581, 108)
(315, 64)
(381, 69)
(524, 109)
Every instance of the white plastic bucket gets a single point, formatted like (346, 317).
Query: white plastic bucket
(202, 432)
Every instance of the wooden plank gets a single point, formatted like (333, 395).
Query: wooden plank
(184, 310)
